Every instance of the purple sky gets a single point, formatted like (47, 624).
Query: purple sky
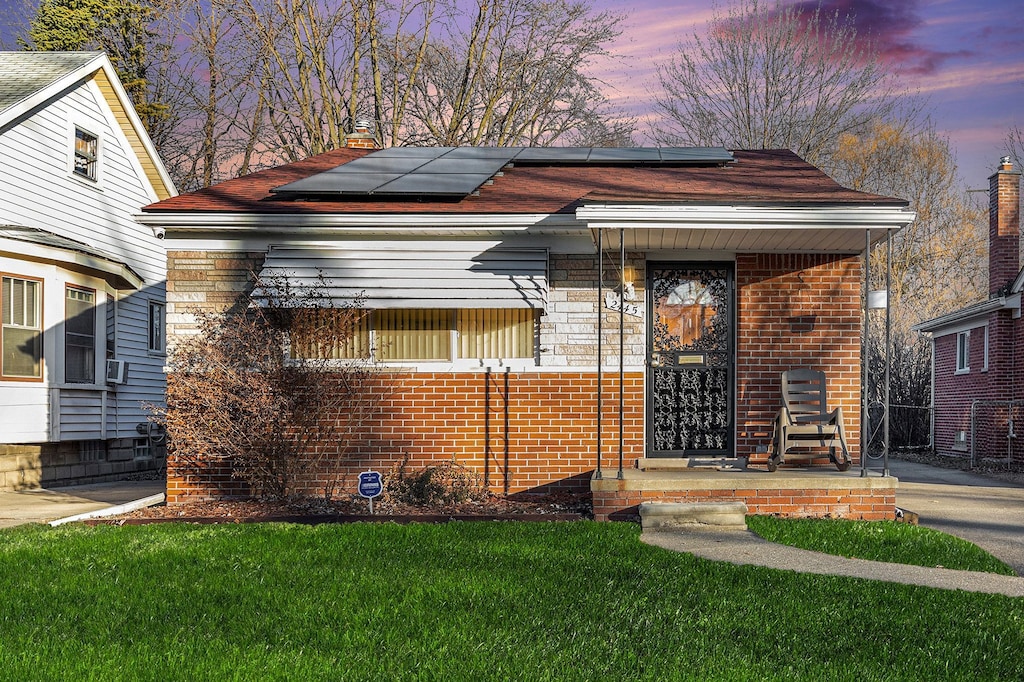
(966, 57)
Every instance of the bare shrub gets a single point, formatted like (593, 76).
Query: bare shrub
(446, 483)
(253, 387)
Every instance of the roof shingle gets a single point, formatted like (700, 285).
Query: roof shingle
(26, 73)
(758, 177)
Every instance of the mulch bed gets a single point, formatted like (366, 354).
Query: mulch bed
(561, 507)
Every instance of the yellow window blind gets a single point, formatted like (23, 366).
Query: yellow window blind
(496, 333)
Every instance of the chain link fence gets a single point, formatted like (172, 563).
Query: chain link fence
(909, 428)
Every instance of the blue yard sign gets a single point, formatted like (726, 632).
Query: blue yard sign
(370, 486)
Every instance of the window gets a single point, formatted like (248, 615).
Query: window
(142, 450)
(963, 351)
(156, 327)
(86, 154)
(92, 450)
(22, 330)
(984, 362)
(437, 335)
(79, 336)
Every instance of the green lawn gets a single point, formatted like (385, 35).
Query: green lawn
(898, 543)
(471, 601)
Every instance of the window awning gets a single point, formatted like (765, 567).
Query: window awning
(411, 274)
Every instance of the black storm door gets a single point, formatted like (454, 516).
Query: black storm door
(689, 354)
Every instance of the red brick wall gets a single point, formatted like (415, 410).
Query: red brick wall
(796, 310)
(1003, 228)
(955, 393)
(432, 417)
(854, 502)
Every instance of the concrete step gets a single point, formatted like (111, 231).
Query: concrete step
(720, 515)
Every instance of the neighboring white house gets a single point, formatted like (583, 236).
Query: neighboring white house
(83, 290)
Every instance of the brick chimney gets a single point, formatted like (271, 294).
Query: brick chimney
(362, 136)
(1003, 227)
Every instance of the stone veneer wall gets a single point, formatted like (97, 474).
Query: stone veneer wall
(27, 466)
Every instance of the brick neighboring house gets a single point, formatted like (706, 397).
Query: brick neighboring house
(739, 265)
(978, 351)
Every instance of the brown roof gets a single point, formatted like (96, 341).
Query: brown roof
(773, 177)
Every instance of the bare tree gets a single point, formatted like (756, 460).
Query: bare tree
(938, 261)
(1015, 145)
(772, 77)
(516, 75)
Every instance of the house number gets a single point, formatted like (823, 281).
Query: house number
(613, 302)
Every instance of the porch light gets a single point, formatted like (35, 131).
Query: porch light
(878, 299)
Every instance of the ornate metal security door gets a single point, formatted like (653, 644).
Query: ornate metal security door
(690, 349)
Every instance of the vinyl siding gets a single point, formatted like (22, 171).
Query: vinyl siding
(37, 189)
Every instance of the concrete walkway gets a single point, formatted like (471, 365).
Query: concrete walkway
(50, 504)
(984, 511)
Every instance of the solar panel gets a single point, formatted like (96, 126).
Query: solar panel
(482, 153)
(562, 154)
(624, 155)
(382, 164)
(411, 152)
(696, 154)
(459, 171)
(447, 164)
(442, 184)
(337, 183)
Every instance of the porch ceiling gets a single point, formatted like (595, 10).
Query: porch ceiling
(811, 229)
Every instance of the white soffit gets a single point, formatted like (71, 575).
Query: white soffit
(744, 229)
(413, 274)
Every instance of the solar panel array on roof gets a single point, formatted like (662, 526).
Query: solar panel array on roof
(460, 171)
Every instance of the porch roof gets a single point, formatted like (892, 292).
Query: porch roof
(41, 245)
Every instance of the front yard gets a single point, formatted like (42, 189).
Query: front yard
(530, 601)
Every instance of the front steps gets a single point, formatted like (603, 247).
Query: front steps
(676, 515)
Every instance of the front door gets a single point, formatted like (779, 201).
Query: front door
(689, 353)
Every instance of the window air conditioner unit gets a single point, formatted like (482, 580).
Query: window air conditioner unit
(117, 371)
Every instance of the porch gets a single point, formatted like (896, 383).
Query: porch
(812, 491)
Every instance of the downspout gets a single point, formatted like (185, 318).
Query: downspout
(622, 339)
(931, 412)
(487, 427)
(600, 296)
(506, 401)
(888, 351)
(974, 413)
(863, 359)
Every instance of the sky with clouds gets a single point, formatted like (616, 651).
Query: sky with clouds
(965, 57)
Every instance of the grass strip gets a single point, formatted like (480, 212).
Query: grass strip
(525, 601)
(900, 543)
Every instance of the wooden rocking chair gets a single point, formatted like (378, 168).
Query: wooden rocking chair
(804, 420)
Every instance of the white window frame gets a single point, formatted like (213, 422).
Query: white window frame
(963, 352)
(38, 327)
(92, 163)
(984, 364)
(90, 377)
